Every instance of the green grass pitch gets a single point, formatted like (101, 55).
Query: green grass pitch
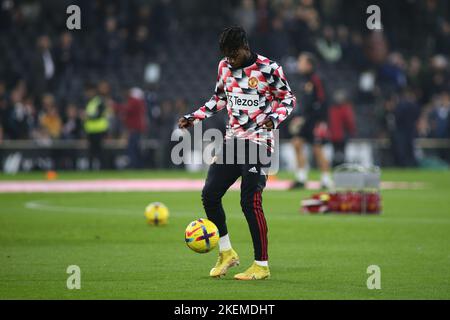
(311, 257)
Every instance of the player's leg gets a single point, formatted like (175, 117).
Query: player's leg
(320, 136)
(298, 142)
(323, 165)
(219, 180)
(252, 186)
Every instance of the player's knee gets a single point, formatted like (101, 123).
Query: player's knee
(297, 143)
(246, 205)
(210, 196)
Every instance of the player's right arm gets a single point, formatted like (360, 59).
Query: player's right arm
(217, 102)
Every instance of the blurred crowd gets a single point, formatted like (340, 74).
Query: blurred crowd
(402, 73)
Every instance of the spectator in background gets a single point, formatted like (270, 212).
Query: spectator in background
(328, 47)
(96, 123)
(49, 119)
(21, 113)
(437, 78)
(443, 38)
(31, 118)
(304, 26)
(354, 55)
(351, 44)
(309, 123)
(245, 16)
(415, 77)
(400, 119)
(72, 130)
(67, 58)
(140, 44)
(263, 16)
(43, 67)
(134, 117)
(392, 74)
(4, 111)
(342, 124)
(277, 40)
(343, 37)
(439, 119)
(428, 28)
(66, 55)
(112, 45)
(375, 49)
(50, 126)
(5, 114)
(73, 126)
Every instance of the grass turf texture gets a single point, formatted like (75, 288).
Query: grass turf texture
(311, 257)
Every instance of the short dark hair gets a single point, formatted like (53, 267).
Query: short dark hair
(233, 38)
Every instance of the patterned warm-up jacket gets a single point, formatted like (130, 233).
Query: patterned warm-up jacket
(251, 94)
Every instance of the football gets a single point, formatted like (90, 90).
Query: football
(201, 235)
(156, 214)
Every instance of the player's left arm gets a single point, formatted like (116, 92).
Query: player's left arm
(284, 100)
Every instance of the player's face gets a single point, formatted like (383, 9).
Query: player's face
(236, 58)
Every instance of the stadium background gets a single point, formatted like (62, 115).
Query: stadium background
(397, 80)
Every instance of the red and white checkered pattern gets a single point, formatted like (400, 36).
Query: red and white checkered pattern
(264, 79)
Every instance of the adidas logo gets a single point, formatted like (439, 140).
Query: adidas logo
(253, 170)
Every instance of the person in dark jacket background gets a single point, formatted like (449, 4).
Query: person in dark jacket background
(401, 113)
(309, 123)
(96, 122)
(134, 117)
(342, 124)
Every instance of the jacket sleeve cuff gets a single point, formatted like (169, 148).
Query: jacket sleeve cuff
(274, 118)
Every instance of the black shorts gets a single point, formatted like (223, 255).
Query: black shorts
(244, 152)
(309, 133)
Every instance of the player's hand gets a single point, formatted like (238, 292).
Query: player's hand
(184, 123)
(267, 124)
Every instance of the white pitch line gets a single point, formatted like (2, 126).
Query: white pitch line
(43, 206)
(321, 218)
(39, 205)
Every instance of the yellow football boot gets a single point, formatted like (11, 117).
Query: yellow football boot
(255, 272)
(226, 260)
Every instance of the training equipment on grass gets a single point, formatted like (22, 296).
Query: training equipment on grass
(201, 235)
(357, 190)
(156, 214)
